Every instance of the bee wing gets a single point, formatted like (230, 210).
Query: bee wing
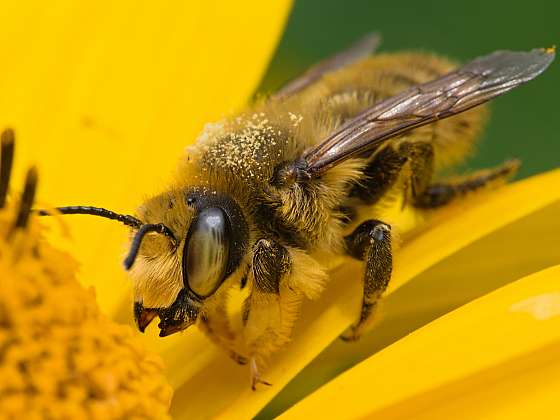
(360, 49)
(470, 85)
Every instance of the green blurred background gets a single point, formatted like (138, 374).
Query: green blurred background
(523, 123)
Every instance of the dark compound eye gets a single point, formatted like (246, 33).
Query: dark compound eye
(206, 254)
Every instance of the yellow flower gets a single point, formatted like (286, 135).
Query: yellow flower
(59, 356)
(106, 94)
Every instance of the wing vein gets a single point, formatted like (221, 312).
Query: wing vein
(473, 84)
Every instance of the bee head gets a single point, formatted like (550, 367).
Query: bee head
(184, 245)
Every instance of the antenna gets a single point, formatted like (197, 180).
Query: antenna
(137, 241)
(97, 211)
(27, 198)
(143, 228)
(7, 143)
(6, 160)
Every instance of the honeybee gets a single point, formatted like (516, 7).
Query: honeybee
(262, 194)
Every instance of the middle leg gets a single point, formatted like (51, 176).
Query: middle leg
(370, 242)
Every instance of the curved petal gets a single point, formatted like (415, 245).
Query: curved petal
(522, 247)
(495, 358)
(323, 321)
(104, 96)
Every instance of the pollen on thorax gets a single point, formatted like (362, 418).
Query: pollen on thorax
(295, 119)
(247, 147)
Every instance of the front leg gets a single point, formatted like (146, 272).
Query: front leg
(371, 241)
(267, 324)
(214, 322)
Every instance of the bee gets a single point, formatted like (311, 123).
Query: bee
(262, 197)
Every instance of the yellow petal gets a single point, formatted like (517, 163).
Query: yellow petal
(520, 248)
(494, 358)
(104, 95)
(194, 361)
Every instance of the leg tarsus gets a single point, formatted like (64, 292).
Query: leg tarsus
(356, 330)
(255, 376)
(440, 194)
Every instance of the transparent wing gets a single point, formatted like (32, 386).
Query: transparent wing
(470, 85)
(360, 49)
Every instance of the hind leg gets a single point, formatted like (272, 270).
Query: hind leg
(388, 164)
(441, 193)
(417, 157)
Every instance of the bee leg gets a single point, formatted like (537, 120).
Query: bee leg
(387, 165)
(440, 194)
(264, 314)
(370, 241)
(255, 376)
(214, 323)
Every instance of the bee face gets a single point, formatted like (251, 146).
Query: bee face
(172, 281)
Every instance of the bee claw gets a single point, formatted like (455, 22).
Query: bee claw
(255, 377)
(258, 381)
(350, 335)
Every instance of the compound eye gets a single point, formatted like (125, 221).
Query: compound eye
(206, 254)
